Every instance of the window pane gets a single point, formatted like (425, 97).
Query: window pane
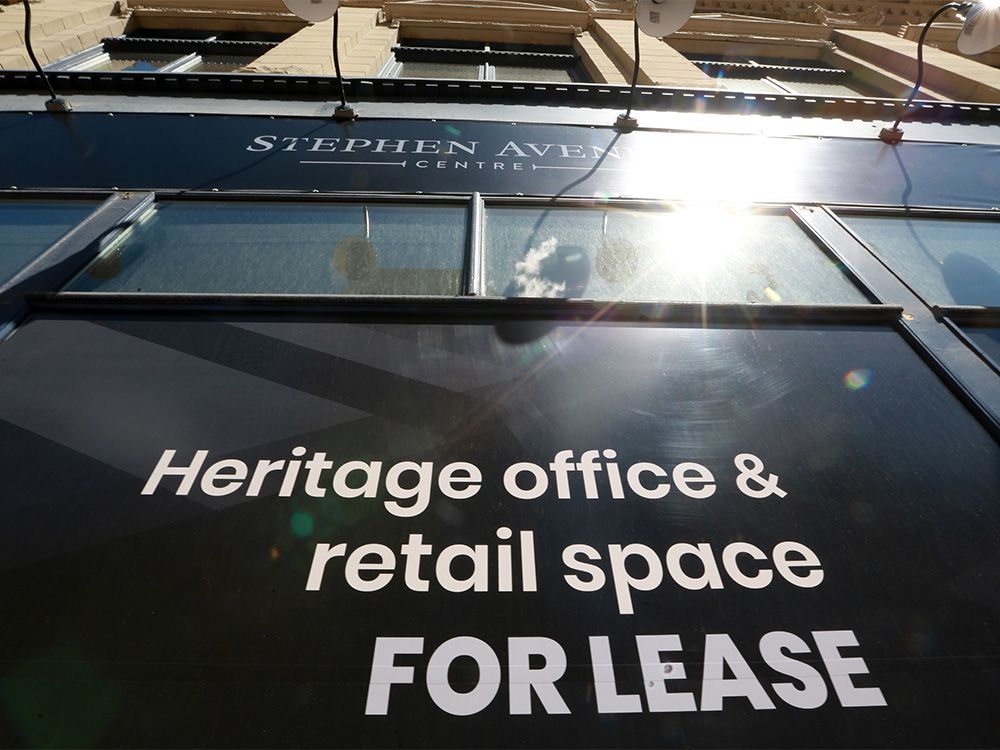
(749, 85)
(987, 339)
(694, 255)
(116, 61)
(526, 73)
(826, 88)
(945, 261)
(221, 63)
(28, 227)
(283, 248)
(438, 70)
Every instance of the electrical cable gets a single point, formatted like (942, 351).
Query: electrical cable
(920, 59)
(635, 71)
(31, 52)
(336, 61)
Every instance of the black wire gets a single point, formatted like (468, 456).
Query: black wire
(920, 59)
(635, 70)
(31, 52)
(336, 60)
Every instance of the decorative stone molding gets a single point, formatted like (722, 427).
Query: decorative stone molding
(565, 13)
(869, 18)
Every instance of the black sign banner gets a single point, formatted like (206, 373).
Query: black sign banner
(252, 532)
(171, 151)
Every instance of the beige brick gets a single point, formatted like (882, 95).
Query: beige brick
(949, 75)
(15, 62)
(659, 64)
(88, 39)
(363, 47)
(599, 66)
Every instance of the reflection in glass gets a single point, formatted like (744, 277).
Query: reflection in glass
(945, 261)
(439, 70)
(828, 88)
(284, 248)
(221, 63)
(28, 227)
(988, 341)
(130, 62)
(529, 73)
(693, 254)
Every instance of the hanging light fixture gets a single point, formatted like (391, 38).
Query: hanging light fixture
(316, 11)
(980, 33)
(655, 18)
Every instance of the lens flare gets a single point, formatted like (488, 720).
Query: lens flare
(302, 524)
(857, 379)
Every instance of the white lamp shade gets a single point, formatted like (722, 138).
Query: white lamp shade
(981, 31)
(662, 17)
(313, 10)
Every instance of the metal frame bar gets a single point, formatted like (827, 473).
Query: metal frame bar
(932, 212)
(971, 315)
(181, 64)
(473, 275)
(473, 308)
(287, 196)
(83, 57)
(649, 98)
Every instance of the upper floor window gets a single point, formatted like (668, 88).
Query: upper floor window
(173, 51)
(764, 75)
(483, 62)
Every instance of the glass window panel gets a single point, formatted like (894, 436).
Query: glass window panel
(528, 73)
(438, 70)
(825, 88)
(945, 261)
(221, 63)
(692, 255)
(284, 248)
(987, 339)
(749, 85)
(130, 62)
(28, 227)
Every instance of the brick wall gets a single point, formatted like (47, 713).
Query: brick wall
(58, 28)
(364, 46)
(659, 64)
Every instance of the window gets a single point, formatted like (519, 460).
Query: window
(485, 62)
(762, 75)
(945, 261)
(987, 340)
(173, 51)
(27, 227)
(953, 263)
(284, 248)
(682, 255)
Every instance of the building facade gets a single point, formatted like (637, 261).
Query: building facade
(477, 419)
